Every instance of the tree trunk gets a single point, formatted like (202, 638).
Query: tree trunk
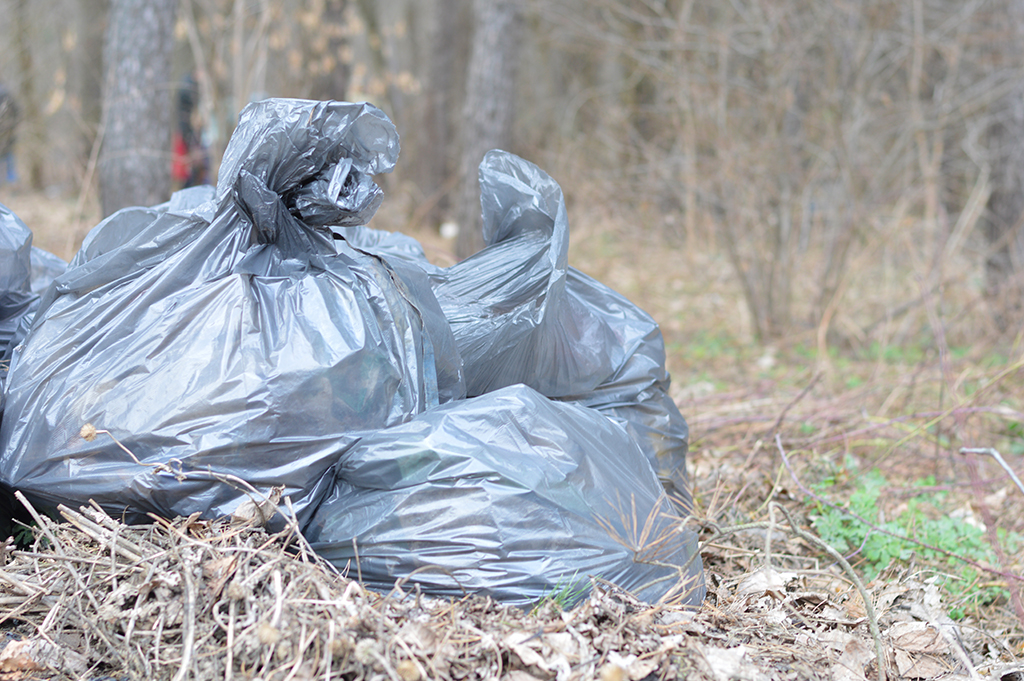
(135, 166)
(86, 77)
(34, 132)
(437, 158)
(1004, 226)
(487, 112)
(332, 82)
(1003, 229)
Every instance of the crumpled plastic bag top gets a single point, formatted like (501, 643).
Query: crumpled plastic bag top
(319, 160)
(520, 314)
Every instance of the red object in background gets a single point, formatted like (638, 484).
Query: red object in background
(180, 162)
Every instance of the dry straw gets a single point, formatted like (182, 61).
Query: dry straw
(202, 599)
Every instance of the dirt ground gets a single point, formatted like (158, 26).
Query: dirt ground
(784, 436)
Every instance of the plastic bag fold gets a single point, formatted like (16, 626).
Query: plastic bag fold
(508, 494)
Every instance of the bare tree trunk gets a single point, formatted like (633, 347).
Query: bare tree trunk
(376, 15)
(32, 122)
(487, 112)
(1004, 226)
(86, 77)
(448, 57)
(332, 82)
(135, 168)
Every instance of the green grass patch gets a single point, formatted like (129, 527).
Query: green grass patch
(711, 346)
(910, 353)
(566, 593)
(925, 518)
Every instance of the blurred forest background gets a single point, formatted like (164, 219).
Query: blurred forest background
(820, 152)
(822, 204)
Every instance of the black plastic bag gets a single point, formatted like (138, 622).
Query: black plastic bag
(509, 494)
(228, 344)
(520, 314)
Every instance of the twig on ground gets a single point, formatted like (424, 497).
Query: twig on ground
(869, 607)
(792, 403)
(993, 536)
(999, 459)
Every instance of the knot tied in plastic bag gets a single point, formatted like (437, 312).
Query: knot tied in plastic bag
(312, 160)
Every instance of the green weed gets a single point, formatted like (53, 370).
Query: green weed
(925, 519)
(909, 353)
(24, 535)
(566, 593)
(994, 360)
(712, 346)
(960, 351)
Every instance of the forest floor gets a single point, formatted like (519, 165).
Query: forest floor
(855, 520)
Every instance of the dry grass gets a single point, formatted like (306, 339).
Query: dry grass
(188, 598)
(202, 599)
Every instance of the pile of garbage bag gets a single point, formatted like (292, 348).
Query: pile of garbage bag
(499, 426)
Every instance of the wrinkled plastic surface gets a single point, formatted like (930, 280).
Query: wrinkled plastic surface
(221, 337)
(45, 267)
(16, 297)
(15, 246)
(25, 271)
(509, 494)
(17, 301)
(520, 314)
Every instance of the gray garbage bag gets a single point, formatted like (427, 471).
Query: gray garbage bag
(15, 248)
(45, 267)
(17, 309)
(24, 270)
(226, 343)
(509, 494)
(520, 314)
(389, 245)
(17, 300)
(16, 296)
